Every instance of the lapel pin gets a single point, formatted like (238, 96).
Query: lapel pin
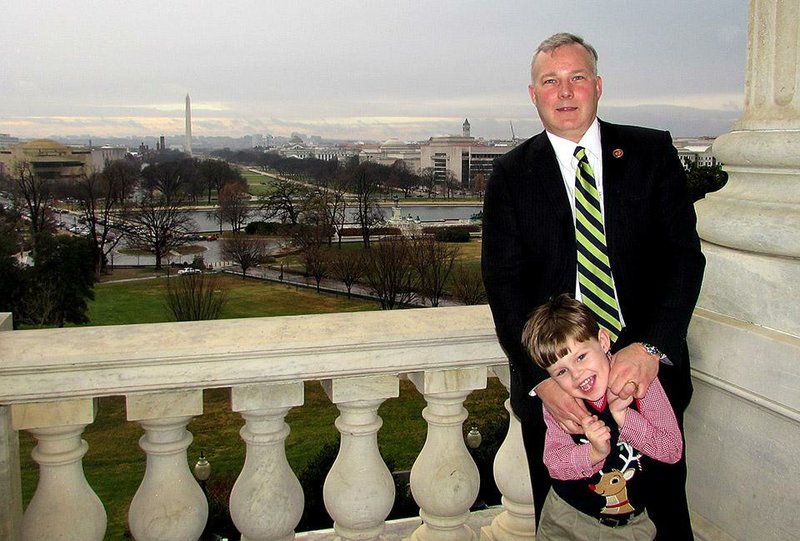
(617, 153)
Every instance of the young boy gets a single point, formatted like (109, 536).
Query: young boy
(600, 486)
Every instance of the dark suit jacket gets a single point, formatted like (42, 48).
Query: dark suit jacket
(529, 251)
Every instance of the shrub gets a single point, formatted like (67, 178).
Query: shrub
(194, 297)
(431, 230)
(451, 234)
(468, 285)
(262, 228)
(356, 232)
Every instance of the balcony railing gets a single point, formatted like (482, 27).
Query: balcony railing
(50, 378)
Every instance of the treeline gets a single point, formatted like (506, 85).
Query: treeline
(396, 178)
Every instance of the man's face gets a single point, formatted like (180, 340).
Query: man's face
(583, 371)
(565, 90)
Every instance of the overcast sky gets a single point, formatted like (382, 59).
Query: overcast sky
(356, 69)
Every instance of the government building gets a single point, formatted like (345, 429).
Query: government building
(52, 160)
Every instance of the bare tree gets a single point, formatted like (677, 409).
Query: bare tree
(450, 183)
(102, 196)
(427, 179)
(468, 285)
(285, 202)
(244, 250)
(170, 178)
(348, 267)
(234, 206)
(331, 199)
(365, 183)
(32, 196)
(479, 184)
(217, 173)
(316, 262)
(433, 261)
(39, 306)
(158, 224)
(401, 178)
(389, 273)
(195, 297)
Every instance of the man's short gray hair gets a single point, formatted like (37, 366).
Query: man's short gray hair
(559, 40)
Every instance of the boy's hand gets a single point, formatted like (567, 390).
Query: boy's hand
(599, 436)
(618, 406)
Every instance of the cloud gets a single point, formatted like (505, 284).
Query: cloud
(679, 119)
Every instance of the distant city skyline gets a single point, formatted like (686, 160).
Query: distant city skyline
(352, 71)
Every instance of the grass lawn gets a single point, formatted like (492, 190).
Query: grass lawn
(258, 184)
(114, 464)
(142, 301)
(469, 253)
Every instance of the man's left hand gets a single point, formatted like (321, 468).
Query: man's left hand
(632, 372)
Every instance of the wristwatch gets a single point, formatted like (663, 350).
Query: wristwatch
(652, 350)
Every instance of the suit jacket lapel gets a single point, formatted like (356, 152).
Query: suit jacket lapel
(615, 169)
(548, 175)
(548, 189)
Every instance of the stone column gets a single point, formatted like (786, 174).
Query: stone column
(444, 478)
(64, 505)
(517, 521)
(169, 503)
(752, 226)
(745, 337)
(359, 489)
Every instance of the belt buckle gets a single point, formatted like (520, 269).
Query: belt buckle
(613, 522)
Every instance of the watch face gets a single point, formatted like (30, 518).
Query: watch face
(651, 349)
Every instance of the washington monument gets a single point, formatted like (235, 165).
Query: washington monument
(187, 145)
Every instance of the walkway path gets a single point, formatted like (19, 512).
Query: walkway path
(330, 285)
(274, 274)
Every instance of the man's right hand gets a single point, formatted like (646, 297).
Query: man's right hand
(568, 411)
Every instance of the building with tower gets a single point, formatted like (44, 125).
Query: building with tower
(466, 158)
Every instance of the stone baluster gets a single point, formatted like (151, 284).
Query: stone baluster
(517, 521)
(11, 505)
(359, 489)
(267, 500)
(64, 505)
(444, 478)
(169, 503)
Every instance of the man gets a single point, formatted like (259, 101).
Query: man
(646, 230)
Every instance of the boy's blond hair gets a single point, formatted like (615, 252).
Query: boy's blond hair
(552, 324)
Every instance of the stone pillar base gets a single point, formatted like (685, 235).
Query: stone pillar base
(745, 412)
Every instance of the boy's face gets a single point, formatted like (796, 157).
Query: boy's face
(583, 372)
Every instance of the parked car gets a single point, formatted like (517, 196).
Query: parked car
(189, 270)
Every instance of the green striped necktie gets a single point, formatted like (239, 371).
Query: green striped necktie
(594, 268)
